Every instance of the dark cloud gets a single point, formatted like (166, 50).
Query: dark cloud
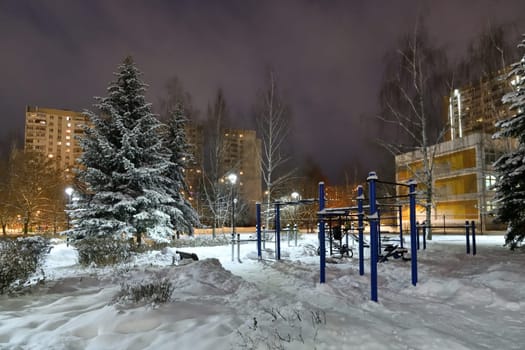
(328, 55)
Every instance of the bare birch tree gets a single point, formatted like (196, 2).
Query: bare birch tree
(273, 118)
(217, 192)
(414, 83)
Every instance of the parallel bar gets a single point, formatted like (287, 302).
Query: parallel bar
(373, 216)
(467, 236)
(278, 231)
(413, 229)
(258, 228)
(400, 226)
(473, 224)
(322, 248)
(360, 228)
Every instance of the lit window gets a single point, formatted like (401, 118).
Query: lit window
(50, 155)
(490, 181)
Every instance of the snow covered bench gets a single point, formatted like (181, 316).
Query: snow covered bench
(177, 255)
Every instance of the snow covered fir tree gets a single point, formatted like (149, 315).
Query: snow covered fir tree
(510, 167)
(128, 185)
(177, 144)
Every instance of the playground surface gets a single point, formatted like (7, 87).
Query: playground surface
(460, 302)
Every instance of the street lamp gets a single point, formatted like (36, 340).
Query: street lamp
(233, 179)
(295, 198)
(69, 192)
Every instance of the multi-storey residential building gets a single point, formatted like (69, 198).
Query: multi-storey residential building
(462, 179)
(241, 156)
(195, 138)
(477, 106)
(463, 175)
(53, 132)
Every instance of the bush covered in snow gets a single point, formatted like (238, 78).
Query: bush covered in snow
(101, 251)
(19, 260)
(156, 291)
(201, 241)
(193, 241)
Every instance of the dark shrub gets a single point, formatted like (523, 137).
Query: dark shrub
(153, 291)
(102, 251)
(19, 260)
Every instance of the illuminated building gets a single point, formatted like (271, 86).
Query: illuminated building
(463, 175)
(462, 179)
(195, 139)
(52, 133)
(242, 151)
(476, 107)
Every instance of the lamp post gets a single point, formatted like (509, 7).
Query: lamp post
(233, 179)
(295, 198)
(69, 192)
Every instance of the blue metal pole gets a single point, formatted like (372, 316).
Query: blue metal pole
(473, 224)
(322, 248)
(372, 178)
(400, 226)
(413, 229)
(258, 228)
(378, 230)
(467, 236)
(360, 228)
(418, 228)
(425, 230)
(278, 231)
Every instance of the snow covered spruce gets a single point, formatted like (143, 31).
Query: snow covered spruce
(131, 176)
(510, 187)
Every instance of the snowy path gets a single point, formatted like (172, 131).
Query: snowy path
(460, 302)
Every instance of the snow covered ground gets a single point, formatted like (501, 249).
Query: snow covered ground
(460, 302)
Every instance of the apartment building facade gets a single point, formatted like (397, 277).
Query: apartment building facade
(463, 179)
(476, 107)
(53, 133)
(241, 156)
(463, 176)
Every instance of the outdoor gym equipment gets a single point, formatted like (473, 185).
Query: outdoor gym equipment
(470, 232)
(337, 232)
(373, 218)
(277, 210)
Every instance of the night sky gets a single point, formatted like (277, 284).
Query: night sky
(328, 56)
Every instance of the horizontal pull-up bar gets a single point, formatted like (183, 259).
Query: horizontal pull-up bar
(392, 183)
(301, 201)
